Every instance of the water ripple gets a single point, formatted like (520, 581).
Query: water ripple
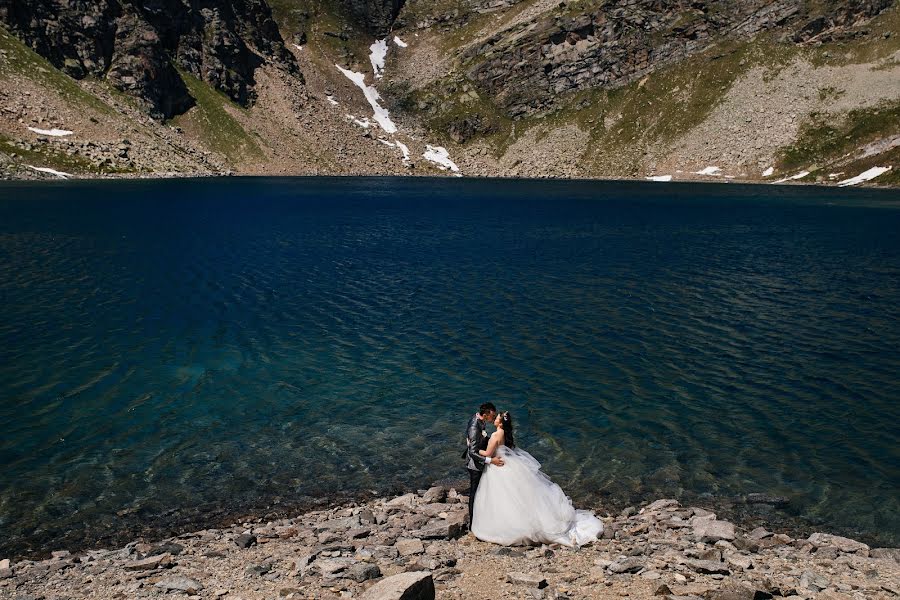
(175, 350)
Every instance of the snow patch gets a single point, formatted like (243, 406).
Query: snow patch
(52, 132)
(404, 149)
(865, 176)
(400, 42)
(381, 114)
(59, 174)
(298, 47)
(799, 175)
(364, 123)
(662, 178)
(377, 54)
(709, 171)
(439, 156)
(768, 172)
(331, 100)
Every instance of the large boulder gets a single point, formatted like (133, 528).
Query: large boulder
(415, 585)
(711, 531)
(820, 540)
(886, 553)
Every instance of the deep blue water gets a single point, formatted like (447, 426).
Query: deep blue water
(175, 350)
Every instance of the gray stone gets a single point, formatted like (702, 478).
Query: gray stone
(404, 502)
(180, 583)
(707, 566)
(166, 548)
(732, 591)
(415, 585)
(245, 540)
(257, 570)
(812, 581)
(408, 547)
(660, 504)
(841, 543)
(710, 532)
(626, 565)
(739, 560)
(443, 529)
(331, 567)
(159, 561)
(889, 553)
(662, 590)
(362, 572)
(366, 517)
(759, 533)
(534, 580)
(437, 493)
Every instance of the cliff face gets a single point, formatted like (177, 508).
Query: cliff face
(526, 68)
(376, 16)
(140, 45)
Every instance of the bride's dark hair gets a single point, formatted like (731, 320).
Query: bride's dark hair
(506, 420)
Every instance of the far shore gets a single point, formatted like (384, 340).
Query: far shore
(686, 178)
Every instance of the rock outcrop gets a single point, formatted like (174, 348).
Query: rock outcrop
(139, 47)
(526, 68)
(376, 16)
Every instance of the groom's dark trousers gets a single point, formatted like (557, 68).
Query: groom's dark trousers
(475, 441)
(474, 478)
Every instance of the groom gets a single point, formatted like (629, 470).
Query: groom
(476, 439)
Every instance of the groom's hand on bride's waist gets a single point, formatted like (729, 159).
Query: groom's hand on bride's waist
(496, 461)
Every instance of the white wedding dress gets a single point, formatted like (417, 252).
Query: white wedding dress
(517, 504)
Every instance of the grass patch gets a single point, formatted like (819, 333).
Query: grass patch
(315, 18)
(625, 122)
(865, 49)
(826, 137)
(44, 155)
(23, 61)
(214, 125)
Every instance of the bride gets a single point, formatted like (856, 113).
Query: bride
(518, 504)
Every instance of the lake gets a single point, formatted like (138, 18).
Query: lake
(181, 352)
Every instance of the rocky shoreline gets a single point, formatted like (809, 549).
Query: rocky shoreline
(417, 546)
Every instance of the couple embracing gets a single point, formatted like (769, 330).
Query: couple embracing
(511, 501)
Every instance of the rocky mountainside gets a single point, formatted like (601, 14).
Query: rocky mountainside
(767, 90)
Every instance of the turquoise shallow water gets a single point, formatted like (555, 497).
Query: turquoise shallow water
(174, 352)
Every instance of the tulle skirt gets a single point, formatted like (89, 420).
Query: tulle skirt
(517, 504)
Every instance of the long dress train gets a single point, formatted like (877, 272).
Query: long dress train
(518, 504)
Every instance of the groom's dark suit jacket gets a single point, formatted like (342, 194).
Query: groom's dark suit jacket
(475, 441)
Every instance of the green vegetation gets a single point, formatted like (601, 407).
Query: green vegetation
(315, 18)
(214, 125)
(21, 60)
(44, 155)
(882, 41)
(826, 138)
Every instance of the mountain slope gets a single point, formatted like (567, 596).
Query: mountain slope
(589, 88)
